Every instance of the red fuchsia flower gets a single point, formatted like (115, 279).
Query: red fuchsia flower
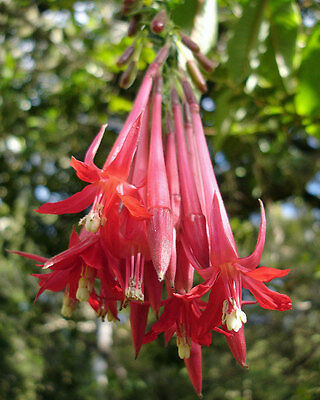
(193, 223)
(106, 185)
(160, 225)
(224, 306)
(110, 182)
(175, 197)
(75, 271)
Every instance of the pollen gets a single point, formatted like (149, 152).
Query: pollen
(184, 346)
(68, 306)
(232, 315)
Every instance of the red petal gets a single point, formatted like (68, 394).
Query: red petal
(74, 238)
(73, 204)
(253, 260)
(212, 315)
(54, 281)
(87, 173)
(120, 166)
(138, 320)
(266, 274)
(267, 298)
(135, 207)
(29, 255)
(160, 238)
(91, 152)
(222, 247)
(152, 287)
(69, 254)
(237, 345)
(194, 367)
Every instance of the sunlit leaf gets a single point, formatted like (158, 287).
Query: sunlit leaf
(307, 99)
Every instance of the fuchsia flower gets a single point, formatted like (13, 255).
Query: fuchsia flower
(159, 216)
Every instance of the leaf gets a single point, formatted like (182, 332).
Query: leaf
(284, 23)
(307, 99)
(183, 15)
(245, 39)
(205, 29)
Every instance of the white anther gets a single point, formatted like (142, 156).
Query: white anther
(235, 318)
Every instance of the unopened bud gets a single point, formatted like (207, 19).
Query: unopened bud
(205, 63)
(158, 23)
(133, 26)
(187, 41)
(196, 76)
(129, 75)
(162, 55)
(125, 56)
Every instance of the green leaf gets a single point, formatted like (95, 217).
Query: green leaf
(284, 23)
(245, 39)
(307, 99)
(183, 15)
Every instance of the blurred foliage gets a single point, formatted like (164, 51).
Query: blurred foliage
(58, 84)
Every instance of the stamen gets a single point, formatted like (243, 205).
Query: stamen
(184, 346)
(232, 315)
(68, 306)
(93, 220)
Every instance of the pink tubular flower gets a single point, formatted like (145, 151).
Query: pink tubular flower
(224, 305)
(160, 225)
(75, 271)
(193, 221)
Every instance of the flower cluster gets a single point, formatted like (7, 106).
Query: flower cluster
(156, 219)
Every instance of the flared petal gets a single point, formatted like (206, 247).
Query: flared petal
(222, 248)
(267, 298)
(73, 204)
(253, 260)
(121, 165)
(92, 150)
(69, 254)
(29, 255)
(212, 315)
(266, 274)
(135, 207)
(74, 238)
(138, 321)
(85, 172)
(237, 345)
(194, 367)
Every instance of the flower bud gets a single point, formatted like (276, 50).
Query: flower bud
(129, 75)
(187, 41)
(125, 56)
(133, 26)
(205, 63)
(159, 22)
(196, 76)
